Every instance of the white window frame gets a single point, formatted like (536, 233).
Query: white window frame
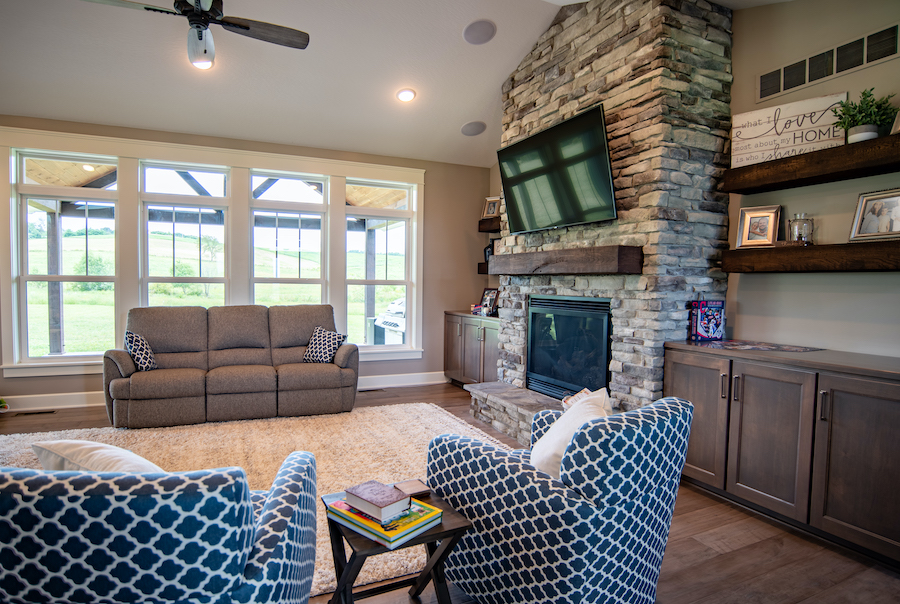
(129, 227)
(320, 209)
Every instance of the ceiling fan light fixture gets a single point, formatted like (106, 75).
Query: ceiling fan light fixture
(406, 95)
(201, 49)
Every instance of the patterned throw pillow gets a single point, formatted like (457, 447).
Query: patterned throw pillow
(322, 346)
(140, 351)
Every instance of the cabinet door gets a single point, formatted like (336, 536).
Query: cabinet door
(704, 381)
(491, 351)
(471, 358)
(770, 437)
(855, 493)
(453, 347)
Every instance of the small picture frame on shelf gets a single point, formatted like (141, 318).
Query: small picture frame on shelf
(877, 216)
(895, 129)
(758, 226)
(489, 301)
(491, 207)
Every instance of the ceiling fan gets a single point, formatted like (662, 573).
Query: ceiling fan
(201, 13)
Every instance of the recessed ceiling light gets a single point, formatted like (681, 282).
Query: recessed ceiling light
(87, 168)
(479, 32)
(473, 128)
(406, 95)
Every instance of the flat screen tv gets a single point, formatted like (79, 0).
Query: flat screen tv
(560, 176)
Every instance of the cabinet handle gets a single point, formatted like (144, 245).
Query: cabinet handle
(823, 400)
(735, 387)
(459, 329)
(724, 381)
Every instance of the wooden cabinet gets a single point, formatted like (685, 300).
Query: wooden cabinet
(453, 350)
(811, 437)
(705, 382)
(471, 347)
(855, 492)
(770, 436)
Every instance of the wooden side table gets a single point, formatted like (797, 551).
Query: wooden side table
(439, 541)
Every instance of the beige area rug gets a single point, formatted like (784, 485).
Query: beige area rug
(387, 443)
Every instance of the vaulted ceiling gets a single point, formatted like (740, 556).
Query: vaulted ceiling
(84, 62)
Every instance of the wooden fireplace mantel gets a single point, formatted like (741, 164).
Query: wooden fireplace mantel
(602, 260)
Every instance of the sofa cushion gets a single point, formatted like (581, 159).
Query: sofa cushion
(166, 383)
(140, 351)
(313, 376)
(547, 452)
(177, 335)
(238, 379)
(83, 455)
(323, 345)
(239, 335)
(291, 328)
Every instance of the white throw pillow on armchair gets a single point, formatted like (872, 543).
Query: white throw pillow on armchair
(82, 455)
(547, 452)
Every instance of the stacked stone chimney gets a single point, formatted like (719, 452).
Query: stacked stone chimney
(662, 69)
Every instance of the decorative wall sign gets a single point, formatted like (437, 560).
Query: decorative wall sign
(785, 130)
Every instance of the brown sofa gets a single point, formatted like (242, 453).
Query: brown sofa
(227, 363)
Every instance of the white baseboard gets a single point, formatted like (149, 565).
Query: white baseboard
(373, 382)
(49, 402)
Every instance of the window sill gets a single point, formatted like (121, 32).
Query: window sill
(51, 369)
(387, 353)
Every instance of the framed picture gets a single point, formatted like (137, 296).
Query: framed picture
(489, 301)
(491, 207)
(759, 226)
(877, 216)
(895, 129)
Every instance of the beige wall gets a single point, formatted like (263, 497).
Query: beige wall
(454, 198)
(844, 311)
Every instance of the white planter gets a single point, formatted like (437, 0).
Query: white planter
(862, 133)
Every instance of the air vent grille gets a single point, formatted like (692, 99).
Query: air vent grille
(878, 46)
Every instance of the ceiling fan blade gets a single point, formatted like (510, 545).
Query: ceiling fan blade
(276, 34)
(137, 5)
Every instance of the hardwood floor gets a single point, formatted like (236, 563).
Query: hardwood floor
(718, 553)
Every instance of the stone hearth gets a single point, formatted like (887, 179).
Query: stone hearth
(508, 408)
(662, 69)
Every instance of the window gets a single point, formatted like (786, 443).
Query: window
(185, 256)
(288, 242)
(97, 230)
(378, 269)
(67, 256)
(184, 251)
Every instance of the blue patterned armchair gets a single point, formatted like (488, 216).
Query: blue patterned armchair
(157, 538)
(596, 535)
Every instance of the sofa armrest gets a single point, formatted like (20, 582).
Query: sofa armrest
(541, 422)
(347, 357)
(116, 364)
(281, 563)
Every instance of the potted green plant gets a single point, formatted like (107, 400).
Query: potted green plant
(4, 407)
(862, 120)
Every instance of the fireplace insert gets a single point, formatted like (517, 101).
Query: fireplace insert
(568, 344)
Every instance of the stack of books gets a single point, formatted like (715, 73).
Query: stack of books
(381, 513)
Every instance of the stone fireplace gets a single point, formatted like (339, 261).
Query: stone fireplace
(662, 69)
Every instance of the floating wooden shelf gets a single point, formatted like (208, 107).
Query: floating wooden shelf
(604, 260)
(489, 225)
(856, 160)
(845, 257)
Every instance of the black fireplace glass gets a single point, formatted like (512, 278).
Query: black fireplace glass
(568, 344)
